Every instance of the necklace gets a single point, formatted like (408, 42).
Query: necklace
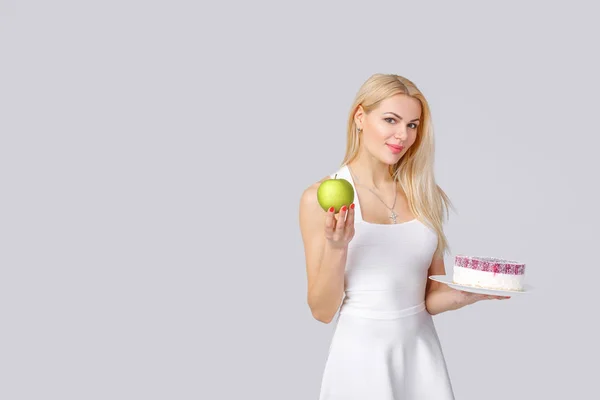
(393, 214)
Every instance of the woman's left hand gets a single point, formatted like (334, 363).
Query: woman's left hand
(464, 298)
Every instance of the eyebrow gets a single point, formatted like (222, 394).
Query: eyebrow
(389, 112)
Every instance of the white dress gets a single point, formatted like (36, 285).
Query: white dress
(385, 345)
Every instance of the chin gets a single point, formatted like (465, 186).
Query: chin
(391, 160)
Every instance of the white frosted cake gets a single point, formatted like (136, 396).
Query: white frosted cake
(489, 273)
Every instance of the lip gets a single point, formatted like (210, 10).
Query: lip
(394, 148)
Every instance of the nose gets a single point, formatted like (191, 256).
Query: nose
(401, 134)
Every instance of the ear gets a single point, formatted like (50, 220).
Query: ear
(358, 116)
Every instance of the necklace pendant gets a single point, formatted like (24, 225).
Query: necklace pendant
(393, 216)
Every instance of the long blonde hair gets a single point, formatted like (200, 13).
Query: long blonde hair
(415, 170)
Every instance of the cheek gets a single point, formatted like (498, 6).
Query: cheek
(383, 130)
(376, 137)
(413, 137)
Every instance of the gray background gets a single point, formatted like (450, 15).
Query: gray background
(152, 158)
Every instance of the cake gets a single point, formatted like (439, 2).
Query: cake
(489, 273)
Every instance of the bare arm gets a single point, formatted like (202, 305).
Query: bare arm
(440, 298)
(325, 248)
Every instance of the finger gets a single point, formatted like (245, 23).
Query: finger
(494, 297)
(350, 217)
(499, 297)
(339, 228)
(330, 223)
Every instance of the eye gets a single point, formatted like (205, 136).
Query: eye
(415, 126)
(390, 120)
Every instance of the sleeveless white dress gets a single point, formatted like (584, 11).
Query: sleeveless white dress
(385, 345)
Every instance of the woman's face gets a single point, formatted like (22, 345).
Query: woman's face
(389, 130)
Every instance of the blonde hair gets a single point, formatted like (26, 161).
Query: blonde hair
(415, 170)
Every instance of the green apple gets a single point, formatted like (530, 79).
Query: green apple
(335, 192)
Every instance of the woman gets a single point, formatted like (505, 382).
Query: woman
(372, 259)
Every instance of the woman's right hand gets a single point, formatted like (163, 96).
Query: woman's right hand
(339, 228)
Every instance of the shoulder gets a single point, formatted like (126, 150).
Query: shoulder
(308, 198)
(311, 214)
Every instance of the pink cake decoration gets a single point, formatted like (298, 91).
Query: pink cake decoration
(491, 264)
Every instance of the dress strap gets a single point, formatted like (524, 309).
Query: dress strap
(344, 172)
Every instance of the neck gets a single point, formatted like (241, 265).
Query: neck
(371, 172)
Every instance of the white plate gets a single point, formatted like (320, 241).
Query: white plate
(446, 279)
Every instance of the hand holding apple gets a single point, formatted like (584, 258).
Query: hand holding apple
(336, 196)
(339, 228)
